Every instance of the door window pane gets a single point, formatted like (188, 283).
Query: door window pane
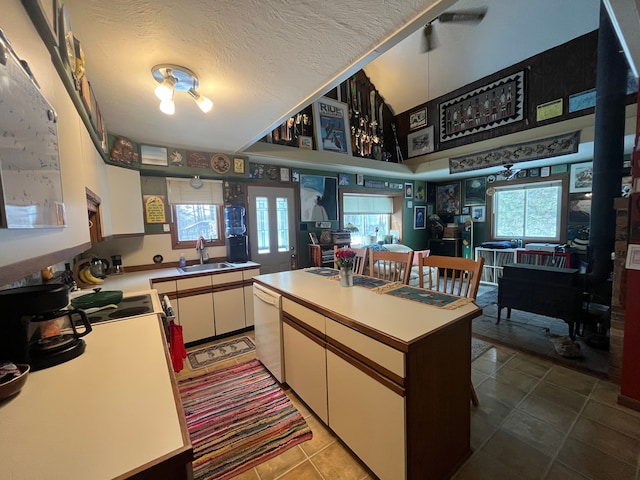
(282, 210)
(262, 217)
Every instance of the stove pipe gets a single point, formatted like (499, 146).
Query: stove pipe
(608, 149)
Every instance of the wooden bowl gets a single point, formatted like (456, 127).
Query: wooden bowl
(14, 385)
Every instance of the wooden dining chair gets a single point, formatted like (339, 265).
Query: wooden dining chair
(455, 276)
(392, 266)
(359, 261)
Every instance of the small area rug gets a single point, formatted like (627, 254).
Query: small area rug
(238, 417)
(478, 347)
(219, 351)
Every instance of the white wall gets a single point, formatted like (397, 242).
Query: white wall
(80, 163)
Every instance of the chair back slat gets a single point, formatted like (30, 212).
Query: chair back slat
(359, 261)
(452, 275)
(392, 266)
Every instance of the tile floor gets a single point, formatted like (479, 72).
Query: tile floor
(536, 420)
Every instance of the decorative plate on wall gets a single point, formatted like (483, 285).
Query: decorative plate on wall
(220, 163)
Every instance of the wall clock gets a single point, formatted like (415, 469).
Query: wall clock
(220, 163)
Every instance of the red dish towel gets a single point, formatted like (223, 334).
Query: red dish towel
(176, 346)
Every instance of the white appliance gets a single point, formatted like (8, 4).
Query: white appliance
(267, 306)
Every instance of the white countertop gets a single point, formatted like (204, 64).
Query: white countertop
(405, 320)
(97, 416)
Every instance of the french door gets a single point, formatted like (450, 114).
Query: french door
(271, 212)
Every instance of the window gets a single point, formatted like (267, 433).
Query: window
(367, 216)
(282, 224)
(189, 222)
(530, 211)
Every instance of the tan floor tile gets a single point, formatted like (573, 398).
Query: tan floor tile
(606, 439)
(299, 404)
(593, 463)
(560, 417)
(248, 475)
(485, 366)
(336, 463)
(322, 437)
(559, 395)
(478, 377)
(567, 378)
(607, 393)
(561, 472)
(517, 455)
(612, 417)
(498, 355)
(490, 410)
(516, 378)
(304, 471)
(481, 431)
(533, 431)
(535, 368)
(284, 462)
(500, 391)
(485, 467)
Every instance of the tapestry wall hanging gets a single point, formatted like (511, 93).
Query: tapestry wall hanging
(491, 106)
(518, 152)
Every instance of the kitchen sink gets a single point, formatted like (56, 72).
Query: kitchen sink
(204, 267)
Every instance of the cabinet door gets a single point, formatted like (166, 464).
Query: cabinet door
(305, 369)
(368, 417)
(228, 308)
(248, 306)
(125, 201)
(195, 314)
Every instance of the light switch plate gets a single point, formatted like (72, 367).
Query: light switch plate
(165, 227)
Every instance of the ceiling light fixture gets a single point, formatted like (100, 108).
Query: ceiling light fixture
(174, 77)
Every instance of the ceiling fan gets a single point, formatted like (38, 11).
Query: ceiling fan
(472, 16)
(509, 173)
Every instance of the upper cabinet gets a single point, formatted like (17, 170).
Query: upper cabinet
(122, 212)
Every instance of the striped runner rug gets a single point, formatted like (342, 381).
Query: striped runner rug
(238, 417)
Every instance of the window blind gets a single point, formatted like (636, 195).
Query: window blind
(180, 192)
(367, 204)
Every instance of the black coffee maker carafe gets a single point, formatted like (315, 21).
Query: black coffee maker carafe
(37, 329)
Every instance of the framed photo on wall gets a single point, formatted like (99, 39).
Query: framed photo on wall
(475, 191)
(420, 142)
(581, 177)
(478, 213)
(318, 198)
(419, 217)
(418, 119)
(331, 123)
(448, 199)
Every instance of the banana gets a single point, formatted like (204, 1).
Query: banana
(87, 277)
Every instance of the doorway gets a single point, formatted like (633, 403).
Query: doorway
(272, 214)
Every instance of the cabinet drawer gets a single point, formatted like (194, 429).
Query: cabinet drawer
(229, 277)
(305, 315)
(385, 356)
(165, 287)
(247, 274)
(193, 282)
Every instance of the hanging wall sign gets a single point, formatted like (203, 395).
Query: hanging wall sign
(154, 209)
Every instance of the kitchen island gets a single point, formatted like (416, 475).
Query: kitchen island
(389, 375)
(112, 412)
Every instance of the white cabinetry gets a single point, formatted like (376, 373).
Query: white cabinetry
(125, 213)
(248, 296)
(494, 260)
(195, 310)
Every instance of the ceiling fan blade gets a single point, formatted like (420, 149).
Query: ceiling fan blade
(463, 16)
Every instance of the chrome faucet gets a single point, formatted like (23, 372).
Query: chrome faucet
(200, 246)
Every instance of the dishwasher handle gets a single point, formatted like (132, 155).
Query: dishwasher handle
(266, 297)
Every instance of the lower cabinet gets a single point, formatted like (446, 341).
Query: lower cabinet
(228, 307)
(195, 314)
(367, 416)
(306, 368)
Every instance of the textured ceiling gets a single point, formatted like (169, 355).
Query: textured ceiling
(258, 60)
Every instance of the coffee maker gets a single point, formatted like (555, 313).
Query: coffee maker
(37, 329)
(236, 239)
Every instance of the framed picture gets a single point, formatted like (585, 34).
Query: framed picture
(150, 155)
(581, 177)
(419, 217)
(466, 210)
(419, 191)
(331, 123)
(306, 143)
(545, 171)
(343, 179)
(475, 191)
(318, 198)
(478, 213)
(448, 199)
(408, 190)
(418, 119)
(284, 174)
(420, 142)
(295, 175)
(359, 179)
(238, 165)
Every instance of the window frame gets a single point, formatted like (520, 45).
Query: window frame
(181, 245)
(396, 196)
(564, 206)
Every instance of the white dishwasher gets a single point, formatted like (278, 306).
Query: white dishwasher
(267, 306)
